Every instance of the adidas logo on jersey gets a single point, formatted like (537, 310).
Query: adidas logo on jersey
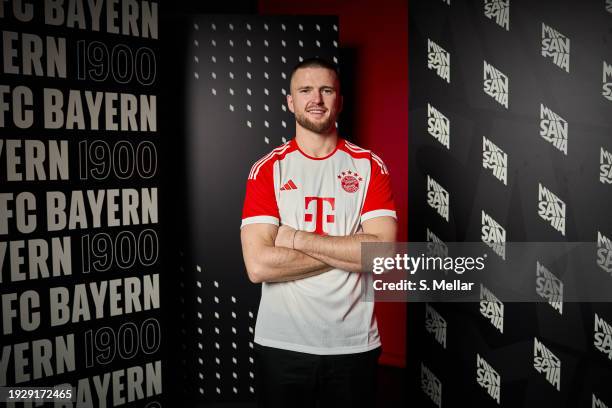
(435, 324)
(487, 378)
(431, 386)
(499, 11)
(437, 197)
(438, 126)
(290, 185)
(553, 128)
(545, 362)
(607, 81)
(493, 235)
(492, 308)
(604, 252)
(605, 167)
(496, 84)
(555, 46)
(551, 208)
(438, 60)
(549, 287)
(495, 159)
(602, 338)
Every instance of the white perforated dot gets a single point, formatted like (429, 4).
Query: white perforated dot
(199, 315)
(318, 27)
(284, 92)
(248, 58)
(249, 75)
(233, 315)
(248, 26)
(266, 43)
(201, 390)
(284, 140)
(234, 330)
(234, 346)
(250, 344)
(231, 59)
(217, 330)
(283, 27)
(266, 27)
(213, 58)
(218, 376)
(251, 374)
(200, 346)
(266, 91)
(231, 75)
(216, 315)
(231, 91)
(266, 75)
(196, 59)
(249, 91)
(216, 284)
(283, 43)
(231, 43)
(231, 27)
(335, 27)
(234, 374)
(249, 108)
(249, 123)
(233, 299)
(300, 58)
(216, 299)
(199, 299)
(198, 268)
(234, 360)
(284, 108)
(251, 313)
(301, 43)
(199, 330)
(248, 42)
(335, 60)
(266, 108)
(231, 107)
(335, 43)
(200, 361)
(213, 26)
(217, 346)
(284, 125)
(266, 140)
(283, 75)
(217, 361)
(235, 390)
(196, 43)
(213, 75)
(198, 283)
(266, 124)
(318, 43)
(218, 390)
(300, 27)
(251, 390)
(266, 59)
(195, 26)
(284, 59)
(201, 376)
(251, 360)
(250, 329)
(213, 42)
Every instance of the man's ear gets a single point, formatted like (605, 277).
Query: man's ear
(290, 103)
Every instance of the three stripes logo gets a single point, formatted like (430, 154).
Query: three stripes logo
(290, 185)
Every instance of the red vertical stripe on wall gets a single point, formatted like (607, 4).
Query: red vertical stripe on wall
(378, 33)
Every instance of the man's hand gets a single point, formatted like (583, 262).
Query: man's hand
(284, 237)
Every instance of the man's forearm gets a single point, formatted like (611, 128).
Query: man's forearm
(339, 252)
(277, 264)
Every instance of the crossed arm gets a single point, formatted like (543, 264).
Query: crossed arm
(278, 254)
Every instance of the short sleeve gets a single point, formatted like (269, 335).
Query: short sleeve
(260, 205)
(379, 196)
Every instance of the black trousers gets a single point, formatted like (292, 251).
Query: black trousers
(290, 379)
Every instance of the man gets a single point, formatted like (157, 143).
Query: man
(309, 205)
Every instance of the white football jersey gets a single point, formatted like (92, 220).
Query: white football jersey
(332, 195)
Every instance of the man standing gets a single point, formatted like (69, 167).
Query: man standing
(309, 205)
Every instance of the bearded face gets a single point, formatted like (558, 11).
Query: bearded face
(315, 99)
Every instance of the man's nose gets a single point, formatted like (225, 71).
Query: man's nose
(317, 97)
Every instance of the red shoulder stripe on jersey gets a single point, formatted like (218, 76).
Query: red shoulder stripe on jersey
(357, 152)
(258, 164)
(355, 148)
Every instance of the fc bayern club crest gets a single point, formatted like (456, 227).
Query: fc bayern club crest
(350, 181)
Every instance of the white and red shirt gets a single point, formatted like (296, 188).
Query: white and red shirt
(332, 195)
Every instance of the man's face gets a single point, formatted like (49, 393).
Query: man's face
(315, 99)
